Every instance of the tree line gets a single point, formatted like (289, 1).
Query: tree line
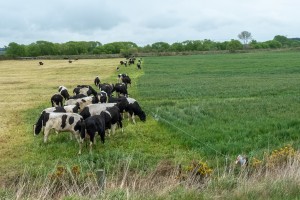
(45, 48)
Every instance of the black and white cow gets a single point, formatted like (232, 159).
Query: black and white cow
(60, 122)
(106, 87)
(97, 81)
(83, 102)
(121, 89)
(57, 100)
(64, 92)
(64, 109)
(139, 65)
(94, 109)
(77, 96)
(91, 126)
(135, 109)
(129, 105)
(110, 118)
(85, 89)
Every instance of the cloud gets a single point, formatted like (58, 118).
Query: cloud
(145, 22)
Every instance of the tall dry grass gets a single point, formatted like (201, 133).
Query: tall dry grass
(232, 182)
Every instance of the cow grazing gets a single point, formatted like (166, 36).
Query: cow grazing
(108, 88)
(91, 126)
(41, 63)
(64, 109)
(107, 120)
(60, 122)
(121, 89)
(97, 81)
(57, 100)
(135, 109)
(83, 102)
(138, 65)
(85, 89)
(116, 118)
(77, 96)
(64, 92)
(95, 109)
(70, 61)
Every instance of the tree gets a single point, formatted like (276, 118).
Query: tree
(234, 45)
(245, 36)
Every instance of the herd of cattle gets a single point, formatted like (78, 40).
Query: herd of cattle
(89, 112)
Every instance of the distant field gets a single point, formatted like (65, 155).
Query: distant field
(199, 107)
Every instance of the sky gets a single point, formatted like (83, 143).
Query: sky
(145, 22)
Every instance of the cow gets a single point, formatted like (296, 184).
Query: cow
(133, 109)
(83, 102)
(70, 61)
(64, 109)
(41, 63)
(64, 92)
(121, 62)
(121, 89)
(77, 96)
(94, 109)
(97, 81)
(107, 119)
(129, 105)
(138, 65)
(108, 88)
(91, 126)
(60, 122)
(85, 89)
(57, 100)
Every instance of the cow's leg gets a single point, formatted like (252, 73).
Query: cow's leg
(133, 119)
(46, 133)
(113, 128)
(92, 140)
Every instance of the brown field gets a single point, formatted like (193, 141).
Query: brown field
(25, 85)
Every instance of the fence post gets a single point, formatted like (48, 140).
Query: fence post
(101, 178)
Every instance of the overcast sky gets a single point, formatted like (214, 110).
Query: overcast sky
(145, 22)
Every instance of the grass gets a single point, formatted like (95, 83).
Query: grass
(207, 108)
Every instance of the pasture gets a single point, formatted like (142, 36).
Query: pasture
(200, 107)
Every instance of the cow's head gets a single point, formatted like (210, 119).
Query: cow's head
(142, 116)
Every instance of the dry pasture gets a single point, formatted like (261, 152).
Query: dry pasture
(24, 84)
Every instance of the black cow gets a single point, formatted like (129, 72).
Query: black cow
(60, 122)
(57, 100)
(97, 81)
(91, 126)
(64, 92)
(41, 63)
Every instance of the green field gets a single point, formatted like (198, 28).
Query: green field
(206, 108)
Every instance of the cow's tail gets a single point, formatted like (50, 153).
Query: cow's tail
(39, 124)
